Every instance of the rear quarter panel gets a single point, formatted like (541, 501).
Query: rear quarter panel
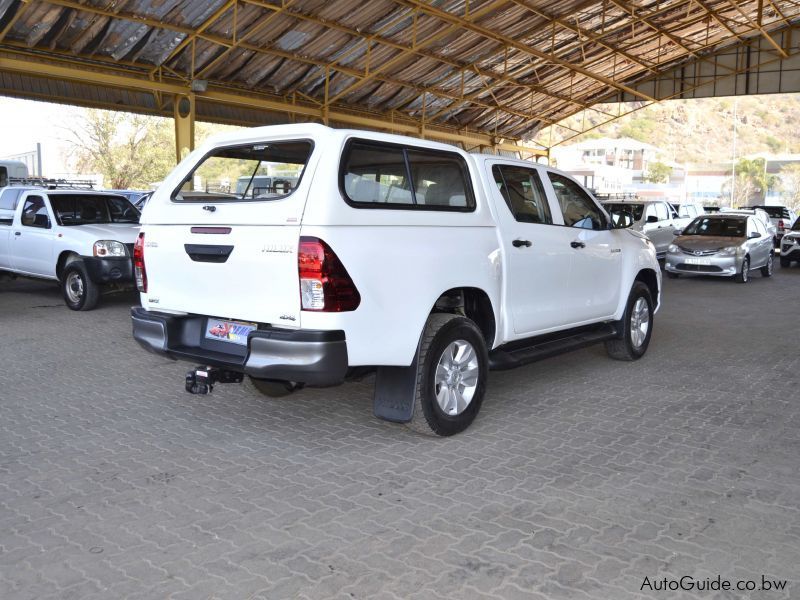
(401, 261)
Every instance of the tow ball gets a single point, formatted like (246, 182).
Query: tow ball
(202, 379)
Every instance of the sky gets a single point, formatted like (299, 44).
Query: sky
(23, 123)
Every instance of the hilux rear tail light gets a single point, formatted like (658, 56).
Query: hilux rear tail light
(139, 270)
(325, 284)
(781, 225)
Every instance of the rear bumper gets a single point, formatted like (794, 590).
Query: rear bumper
(109, 270)
(313, 357)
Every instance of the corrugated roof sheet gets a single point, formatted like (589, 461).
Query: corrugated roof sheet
(507, 67)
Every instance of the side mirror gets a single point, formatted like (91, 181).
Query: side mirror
(27, 219)
(652, 219)
(754, 235)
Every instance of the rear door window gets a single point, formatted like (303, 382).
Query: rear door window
(379, 175)
(522, 190)
(661, 211)
(9, 198)
(262, 171)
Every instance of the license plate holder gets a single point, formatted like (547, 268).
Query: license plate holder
(698, 261)
(231, 332)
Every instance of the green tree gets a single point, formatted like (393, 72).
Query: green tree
(751, 182)
(657, 172)
(130, 151)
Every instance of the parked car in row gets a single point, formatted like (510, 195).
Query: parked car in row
(136, 197)
(790, 245)
(782, 217)
(722, 245)
(761, 215)
(82, 239)
(407, 256)
(687, 212)
(654, 218)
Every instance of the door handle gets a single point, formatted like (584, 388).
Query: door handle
(521, 243)
(577, 244)
(17, 233)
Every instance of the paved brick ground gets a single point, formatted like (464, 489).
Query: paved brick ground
(580, 477)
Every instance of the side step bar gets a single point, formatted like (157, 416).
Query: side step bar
(516, 354)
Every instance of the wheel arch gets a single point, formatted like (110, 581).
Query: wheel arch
(66, 257)
(475, 304)
(650, 279)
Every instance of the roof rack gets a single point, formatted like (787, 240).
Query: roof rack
(53, 184)
(605, 197)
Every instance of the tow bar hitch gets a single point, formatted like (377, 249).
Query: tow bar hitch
(202, 379)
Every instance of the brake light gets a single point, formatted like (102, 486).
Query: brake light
(139, 270)
(325, 284)
(781, 225)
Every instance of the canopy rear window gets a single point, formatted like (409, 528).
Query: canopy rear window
(262, 171)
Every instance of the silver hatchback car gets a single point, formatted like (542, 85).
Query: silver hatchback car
(724, 245)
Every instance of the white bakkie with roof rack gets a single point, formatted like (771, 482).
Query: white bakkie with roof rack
(81, 238)
(381, 253)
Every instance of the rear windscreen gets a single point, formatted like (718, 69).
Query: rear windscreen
(775, 212)
(263, 171)
(620, 207)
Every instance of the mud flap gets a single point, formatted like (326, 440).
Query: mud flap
(395, 390)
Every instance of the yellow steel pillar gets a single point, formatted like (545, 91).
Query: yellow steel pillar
(184, 125)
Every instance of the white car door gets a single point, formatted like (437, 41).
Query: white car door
(658, 226)
(596, 253)
(539, 255)
(33, 236)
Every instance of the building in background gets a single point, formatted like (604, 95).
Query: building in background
(619, 166)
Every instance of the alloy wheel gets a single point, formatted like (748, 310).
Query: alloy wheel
(456, 378)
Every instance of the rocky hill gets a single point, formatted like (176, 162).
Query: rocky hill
(701, 131)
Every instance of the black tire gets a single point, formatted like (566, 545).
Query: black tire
(766, 270)
(672, 275)
(80, 292)
(274, 388)
(440, 332)
(624, 348)
(785, 262)
(743, 276)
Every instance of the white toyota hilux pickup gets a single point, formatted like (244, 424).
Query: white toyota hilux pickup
(82, 239)
(413, 258)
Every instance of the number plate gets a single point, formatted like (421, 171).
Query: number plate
(697, 261)
(229, 331)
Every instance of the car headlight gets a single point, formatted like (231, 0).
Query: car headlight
(109, 248)
(673, 248)
(729, 251)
